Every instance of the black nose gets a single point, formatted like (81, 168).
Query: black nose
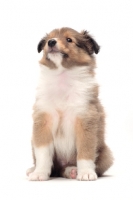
(51, 43)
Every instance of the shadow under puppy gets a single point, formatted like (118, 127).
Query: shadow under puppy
(68, 118)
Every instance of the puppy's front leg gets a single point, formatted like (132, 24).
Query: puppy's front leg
(86, 142)
(43, 148)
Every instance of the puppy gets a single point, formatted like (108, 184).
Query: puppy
(69, 120)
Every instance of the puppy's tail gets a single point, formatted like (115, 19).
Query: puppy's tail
(104, 160)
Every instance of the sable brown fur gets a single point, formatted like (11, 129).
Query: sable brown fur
(41, 129)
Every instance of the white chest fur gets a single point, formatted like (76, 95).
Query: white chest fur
(62, 88)
(67, 91)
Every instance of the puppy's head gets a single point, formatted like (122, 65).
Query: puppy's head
(67, 47)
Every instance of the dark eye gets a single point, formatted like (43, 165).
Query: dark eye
(69, 40)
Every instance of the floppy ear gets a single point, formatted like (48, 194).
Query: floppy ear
(41, 44)
(91, 45)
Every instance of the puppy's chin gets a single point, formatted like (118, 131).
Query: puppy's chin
(56, 57)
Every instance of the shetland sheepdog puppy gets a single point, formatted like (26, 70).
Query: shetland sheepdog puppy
(68, 118)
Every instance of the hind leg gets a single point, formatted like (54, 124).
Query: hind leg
(69, 172)
(104, 160)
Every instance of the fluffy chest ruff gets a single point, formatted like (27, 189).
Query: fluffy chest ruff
(64, 94)
(62, 89)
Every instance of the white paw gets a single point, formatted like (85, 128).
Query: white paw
(87, 175)
(38, 176)
(30, 170)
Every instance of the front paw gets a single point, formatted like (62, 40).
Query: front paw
(87, 175)
(38, 176)
(30, 170)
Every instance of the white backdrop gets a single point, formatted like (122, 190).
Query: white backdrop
(22, 25)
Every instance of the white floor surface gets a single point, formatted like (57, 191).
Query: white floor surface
(109, 187)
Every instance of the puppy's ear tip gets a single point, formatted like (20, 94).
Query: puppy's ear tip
(38, 49)
(84, 32)
(97, 49)
(40, 45)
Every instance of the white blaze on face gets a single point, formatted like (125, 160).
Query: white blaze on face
(55, 56)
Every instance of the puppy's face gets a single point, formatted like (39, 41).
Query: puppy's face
(68, 47)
